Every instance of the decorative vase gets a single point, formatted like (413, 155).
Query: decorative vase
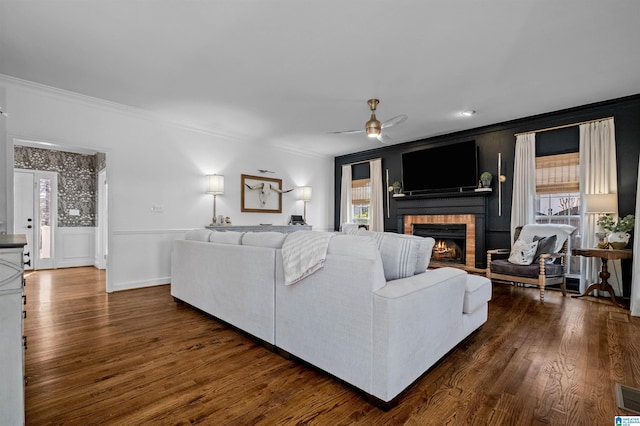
(486, 183)
(618, 240)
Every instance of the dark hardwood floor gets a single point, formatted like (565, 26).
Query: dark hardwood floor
(137, 357)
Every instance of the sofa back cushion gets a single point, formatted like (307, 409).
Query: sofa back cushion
(198, 235)
(264, 239)
(226, 237)
(352, 245)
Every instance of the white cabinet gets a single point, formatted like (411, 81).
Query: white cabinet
(12, 342)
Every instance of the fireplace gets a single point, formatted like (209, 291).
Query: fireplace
(464, 208)
(455, 236)
(450, 241)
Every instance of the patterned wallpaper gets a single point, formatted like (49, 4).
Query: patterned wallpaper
(77, 181)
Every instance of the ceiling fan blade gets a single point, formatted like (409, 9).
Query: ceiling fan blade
(348, 132)
(395, 120)
(384, 138)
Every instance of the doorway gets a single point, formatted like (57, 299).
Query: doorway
(35, 213)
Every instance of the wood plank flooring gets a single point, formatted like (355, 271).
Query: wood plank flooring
(137, 357)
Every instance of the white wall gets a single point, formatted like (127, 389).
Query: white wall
(75, 247)
(151, 162)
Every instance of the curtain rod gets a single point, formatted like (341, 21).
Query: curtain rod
(362, 162)
(562, 127)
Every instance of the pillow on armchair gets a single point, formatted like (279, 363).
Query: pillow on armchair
(563, 232)
(523, 253)
(545, 245)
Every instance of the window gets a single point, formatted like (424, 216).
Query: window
(360, 198)
(558, 197)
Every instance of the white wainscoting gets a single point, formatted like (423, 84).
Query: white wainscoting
(143, 257)
(75, 247)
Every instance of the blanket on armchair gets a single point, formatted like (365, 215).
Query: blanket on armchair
(303, 253)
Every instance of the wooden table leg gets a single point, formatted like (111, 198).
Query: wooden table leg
(603, 285)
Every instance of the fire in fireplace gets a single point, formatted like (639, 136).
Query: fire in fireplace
(450, 240)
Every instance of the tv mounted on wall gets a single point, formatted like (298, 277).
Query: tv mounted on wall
(452, 167)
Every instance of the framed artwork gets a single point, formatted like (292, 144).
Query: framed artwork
(260, 194)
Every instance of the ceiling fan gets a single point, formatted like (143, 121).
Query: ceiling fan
(374, 127)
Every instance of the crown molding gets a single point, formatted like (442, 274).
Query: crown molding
(117, 108)
(114, 107)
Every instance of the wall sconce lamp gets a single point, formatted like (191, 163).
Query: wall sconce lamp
(501, 179)
(215, 186)
(304, 194)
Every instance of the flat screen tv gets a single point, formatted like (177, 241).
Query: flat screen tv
(452, 167)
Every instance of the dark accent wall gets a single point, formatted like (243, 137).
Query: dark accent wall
(76, 181)
(499, 138)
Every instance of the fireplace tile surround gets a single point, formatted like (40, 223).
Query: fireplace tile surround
(449, 219)
(468, 208)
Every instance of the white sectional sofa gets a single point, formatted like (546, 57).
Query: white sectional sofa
(348, 318)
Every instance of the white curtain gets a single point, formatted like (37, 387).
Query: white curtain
(524, 182)
(598, 175)
(376, 202)
(346, 210)
(635, 272)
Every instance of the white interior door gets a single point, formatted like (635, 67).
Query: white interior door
(35, 214)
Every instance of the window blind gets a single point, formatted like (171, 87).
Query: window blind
(559, 173)
(360, 191)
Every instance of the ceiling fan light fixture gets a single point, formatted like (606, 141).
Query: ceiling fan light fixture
(373, 127)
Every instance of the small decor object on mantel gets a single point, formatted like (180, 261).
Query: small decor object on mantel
(618, 236)
(485, 180)
(397, 187)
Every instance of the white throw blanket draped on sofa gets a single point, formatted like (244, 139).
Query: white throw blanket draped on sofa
(303, 253)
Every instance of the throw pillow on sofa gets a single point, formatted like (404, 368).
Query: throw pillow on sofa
(425, 247)
(522, 253)
(399, 255)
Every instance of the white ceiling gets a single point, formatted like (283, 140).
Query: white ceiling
(288, 72)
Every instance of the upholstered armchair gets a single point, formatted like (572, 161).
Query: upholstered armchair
(537, 257)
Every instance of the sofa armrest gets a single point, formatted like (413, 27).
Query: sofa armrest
(417, 320)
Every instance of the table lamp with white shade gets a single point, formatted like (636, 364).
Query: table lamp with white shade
(601, 204)
(304, 194)
(215, 186)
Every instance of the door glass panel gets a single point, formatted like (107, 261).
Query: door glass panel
(45, 218)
